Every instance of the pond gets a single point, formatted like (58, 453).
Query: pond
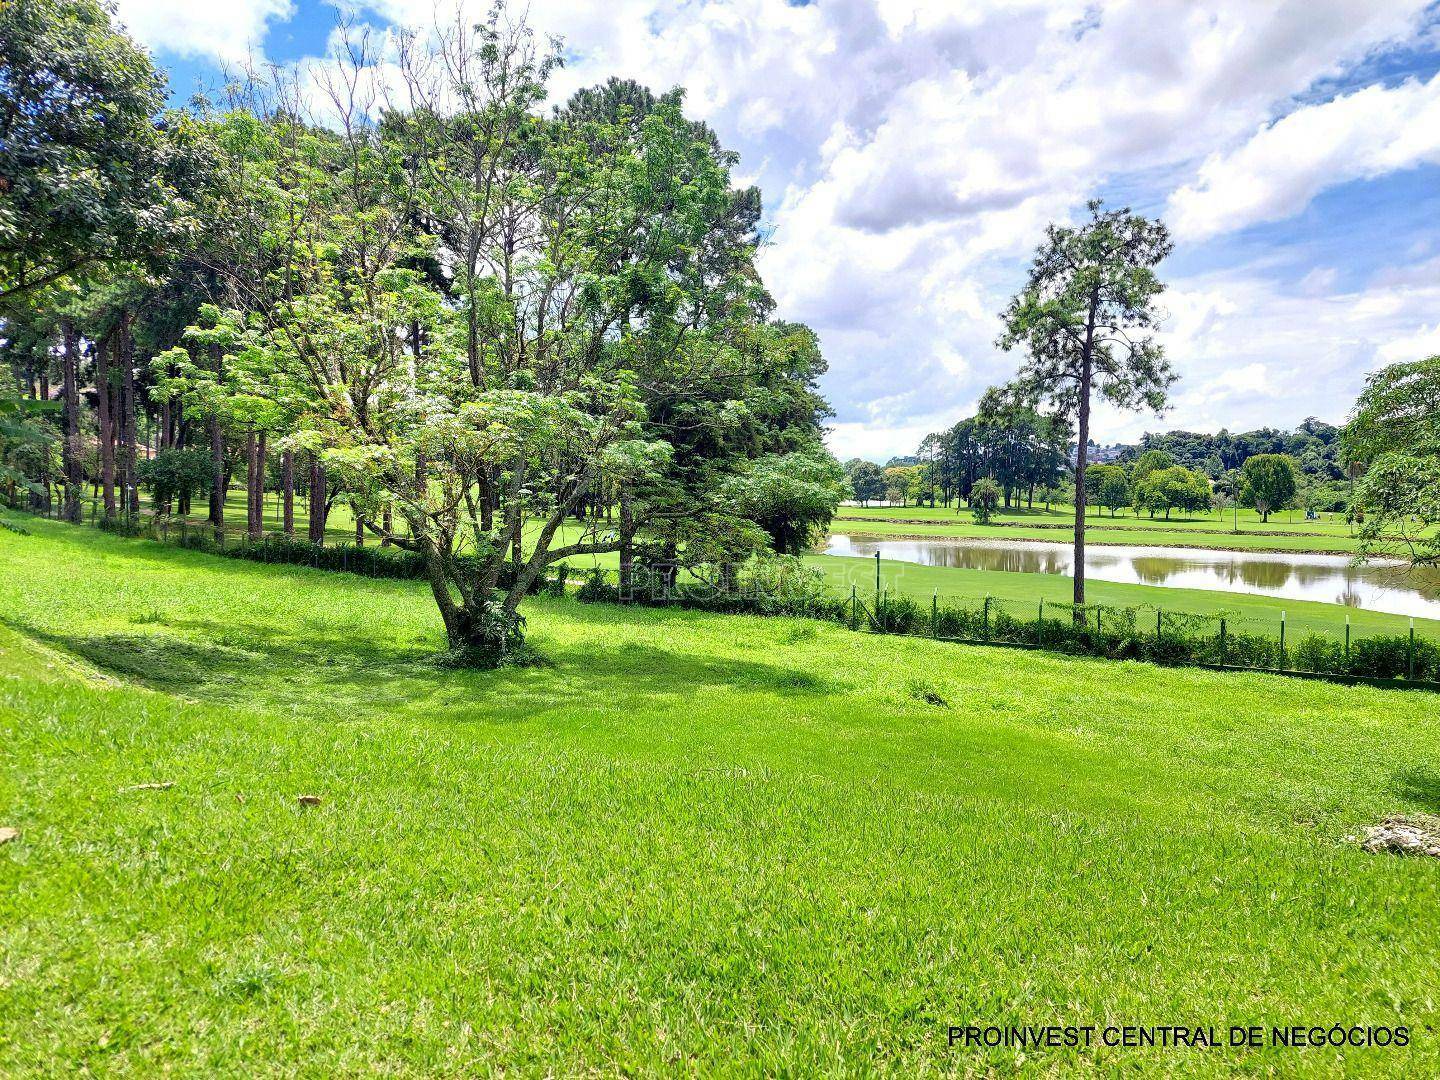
(1330, 579)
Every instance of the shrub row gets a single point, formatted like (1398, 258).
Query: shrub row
(1117, 633)
(365, 560)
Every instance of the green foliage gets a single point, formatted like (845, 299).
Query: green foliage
(1401, 495)
(791, 496)
(1269, 482)
(91, 171)
(1086, 320)
(626, 348)
(867, 480)
(24, 440)
(176, 474)
(1396, 412)
(1172, 488)
(1395, 431)
(1108, 487)
(1149, 462)
(1087, 311)
(984, 498)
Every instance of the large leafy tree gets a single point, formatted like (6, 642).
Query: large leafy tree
(1175, 488)
(1085, 320)
(867, 480)
(1269, 482)
(1394, 438)
(91, 169)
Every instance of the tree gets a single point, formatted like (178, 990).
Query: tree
(176, 476)
(1109, 486)
(1175, 488)
(1148, 462)
(90, 168)
(984, 499)
(1401, 494)
(1085, 319)
(1396, 412)
(1269, 482)
(1393, 441)
(23, 438)
(791, 496)
(867, 480)
(902, 483)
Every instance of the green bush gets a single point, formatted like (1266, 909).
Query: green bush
(1316, 652)
(899, 614)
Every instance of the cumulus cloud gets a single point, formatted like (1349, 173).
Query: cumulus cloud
(1368, 133)
(229, 32)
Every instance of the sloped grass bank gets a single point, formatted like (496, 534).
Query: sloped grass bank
(688, 844)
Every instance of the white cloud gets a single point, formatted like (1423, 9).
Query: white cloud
(229, 32)
(1368, 133)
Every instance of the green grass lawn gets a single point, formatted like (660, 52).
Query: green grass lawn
(1246, 611)
(685, 845)
(1331, 534)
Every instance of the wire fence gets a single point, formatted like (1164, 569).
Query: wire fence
(1221, 640)
(1166, 636)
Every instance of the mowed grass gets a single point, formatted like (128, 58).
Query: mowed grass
(1022, 593)
(686, 845)
(1280, 533)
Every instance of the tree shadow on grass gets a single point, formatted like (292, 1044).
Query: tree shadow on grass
(1421, 786)
(346, 676)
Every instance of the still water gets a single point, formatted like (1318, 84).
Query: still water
(1330, 579)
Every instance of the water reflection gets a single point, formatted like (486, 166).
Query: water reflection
(1327, 578)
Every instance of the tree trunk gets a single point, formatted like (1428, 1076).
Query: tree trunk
(107, 428)
(287, 489)
(219, 480)
(126, 349)
(255, 485)
(1083, 435)
(627, 546)
(71, 450)
(317, 500)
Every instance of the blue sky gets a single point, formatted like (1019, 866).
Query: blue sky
(911, 152)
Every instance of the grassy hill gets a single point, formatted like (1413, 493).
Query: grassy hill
(686, 844)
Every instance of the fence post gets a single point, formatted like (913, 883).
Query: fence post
(854, 614)
(1412, 650)
(1098, 628)
(935, 614)
(1040, 612)
(985, 621)
(1159, 615)
(1347, 641)
(1282, 641)
(1222, 641)
(877, 582)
